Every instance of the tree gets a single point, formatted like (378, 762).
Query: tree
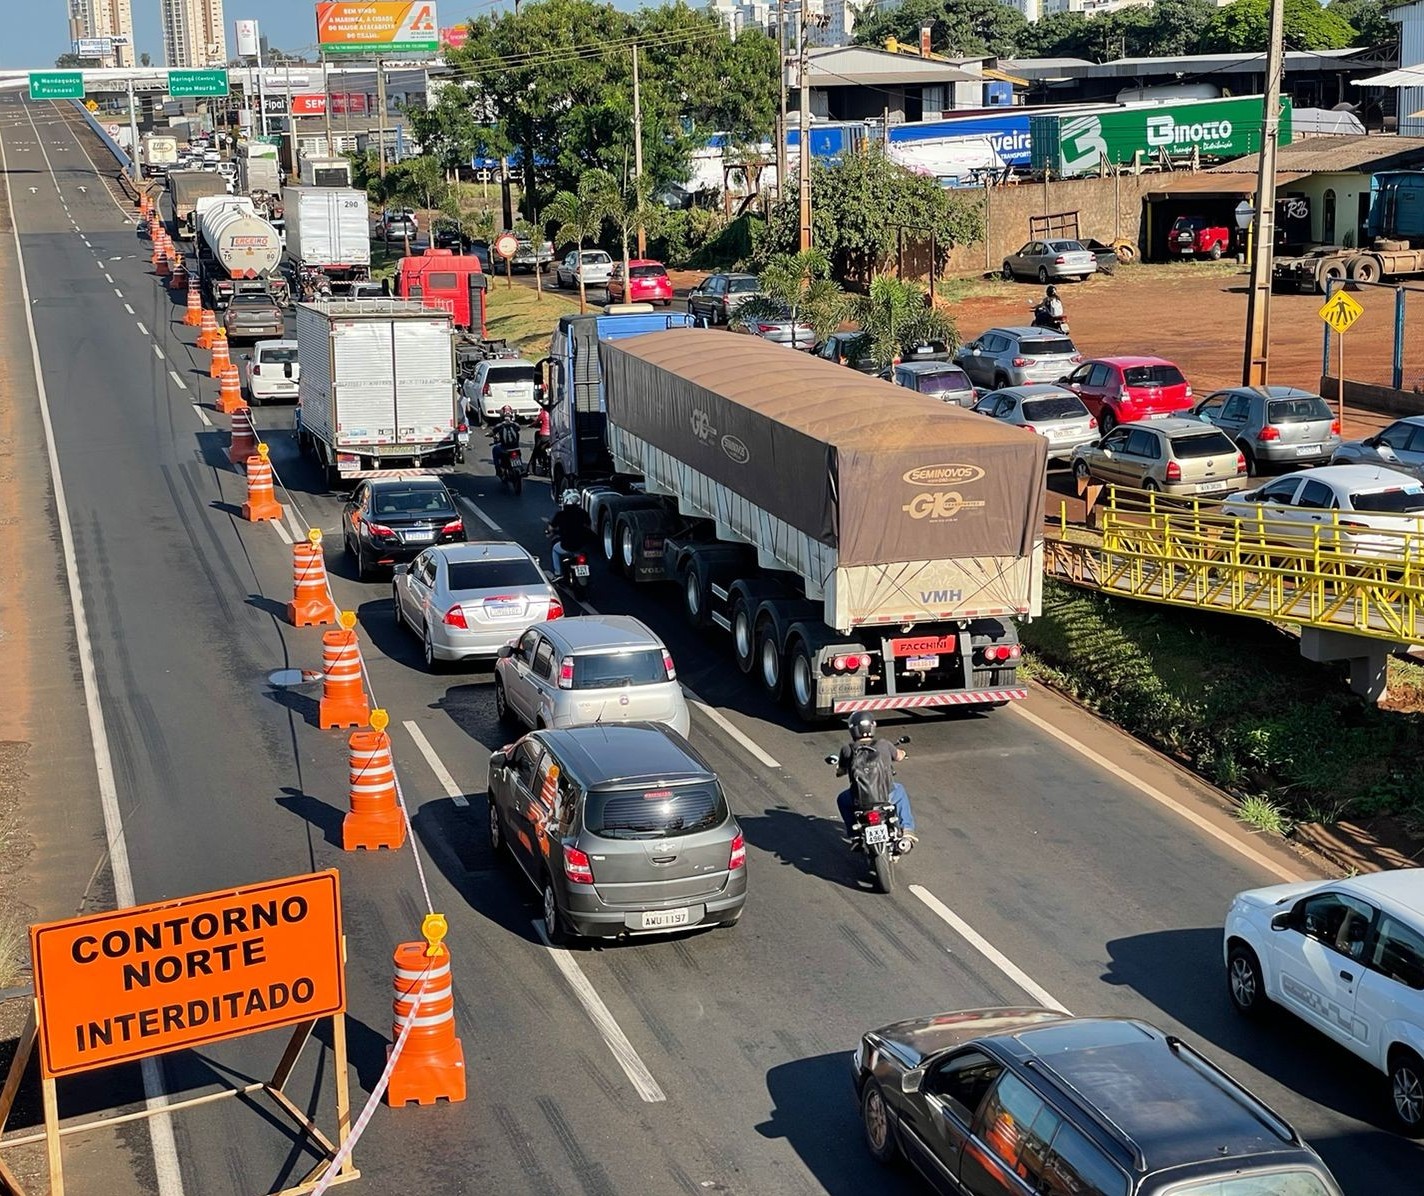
(797, 286)
(1242, 27)
(960, 28)
(145, 59)
(72, 62)
(1369, 21)
(450, 130)
(897, 316)
(577, 215)
(627, 208)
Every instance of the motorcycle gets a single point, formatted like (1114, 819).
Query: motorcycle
(539, 458)
(573, 571)
(877, 833)
(510, 469)
(1041, 319)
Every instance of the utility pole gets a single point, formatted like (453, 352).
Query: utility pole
(804, 81)
(1255, 367)
(781, 129)
(261, 93)
(134, 147)
(381, 112)
(326, 92)
(638, 155)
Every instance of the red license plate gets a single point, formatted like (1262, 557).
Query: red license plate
(923, 645)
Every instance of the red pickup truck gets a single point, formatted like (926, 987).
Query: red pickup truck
(1193, 236)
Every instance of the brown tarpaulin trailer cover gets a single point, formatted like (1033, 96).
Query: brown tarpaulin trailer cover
(879, 473)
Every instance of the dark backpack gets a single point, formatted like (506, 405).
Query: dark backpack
(870, 777)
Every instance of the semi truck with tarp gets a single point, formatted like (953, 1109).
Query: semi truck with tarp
(863, 549)
(185, 188)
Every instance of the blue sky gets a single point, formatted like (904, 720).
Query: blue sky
(44, 34)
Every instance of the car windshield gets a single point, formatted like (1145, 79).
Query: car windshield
(604, 670)
(1399, 500)
(1054, 407)
(646, 272)
(424, 501)
(278, 356)
(1202, 444)
(942, 382)
(742, 286)
(654, 813)
(1296, 411)
(1152, 375)
(1047, 346)
(493, 575)
(1293, 1182)
(1065, 247)
(510, 373)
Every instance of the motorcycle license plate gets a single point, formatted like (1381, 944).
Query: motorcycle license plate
(876, 834)
(580, 570)
(922, 664)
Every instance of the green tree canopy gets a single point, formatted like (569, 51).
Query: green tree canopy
(961, 28)
(1369, 20)
(1243, 27)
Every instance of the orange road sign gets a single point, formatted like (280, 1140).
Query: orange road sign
(143, 981)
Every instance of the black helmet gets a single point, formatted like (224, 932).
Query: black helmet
(862, 725)
(1053, 292)
(506, 412)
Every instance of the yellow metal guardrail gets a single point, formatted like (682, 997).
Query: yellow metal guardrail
(1187, 552)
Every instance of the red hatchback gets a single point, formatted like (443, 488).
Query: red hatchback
(647, 282)
(1121, 390)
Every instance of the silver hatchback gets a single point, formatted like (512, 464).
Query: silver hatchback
(1280, 425)
(1056, 414)
(467, 601)
(589, 669)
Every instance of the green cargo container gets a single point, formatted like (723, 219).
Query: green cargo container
(1069, 144)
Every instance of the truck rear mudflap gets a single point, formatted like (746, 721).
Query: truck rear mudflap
(969, 697)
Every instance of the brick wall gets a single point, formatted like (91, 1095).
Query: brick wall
(1107, 208)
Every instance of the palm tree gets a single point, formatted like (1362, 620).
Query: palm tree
(798, 286)
(577, 216)
(896, 317)
(629, 208)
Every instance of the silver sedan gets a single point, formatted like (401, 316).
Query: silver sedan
(1056, 414)
(467, 601)
(791, 333)
(1049, 261)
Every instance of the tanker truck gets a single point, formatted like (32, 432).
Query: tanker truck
(238, 252)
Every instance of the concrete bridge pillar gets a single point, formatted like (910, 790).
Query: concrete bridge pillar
(1368, 657)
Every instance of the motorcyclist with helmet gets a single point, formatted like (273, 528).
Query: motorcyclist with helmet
(570, 529)
(505, 434)
(862, 734)
(1050, 313)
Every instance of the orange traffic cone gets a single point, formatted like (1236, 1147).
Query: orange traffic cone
(193, 315)
(244, 437)
(178, 276)
(261, 504)
(311, 603)
(207, 329)
(375, 820)
(165, 257)
(229, 390)
(431, 1065)
(221, 359)
(343, 693)
(157, 255)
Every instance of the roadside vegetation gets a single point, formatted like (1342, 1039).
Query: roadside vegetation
(1232, 699)
(524, 317)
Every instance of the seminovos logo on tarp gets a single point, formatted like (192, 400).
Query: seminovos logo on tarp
(937, 502)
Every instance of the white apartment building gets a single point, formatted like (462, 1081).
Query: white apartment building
(1091, 7)
(840, 17)
(193, 33)
(105, 18)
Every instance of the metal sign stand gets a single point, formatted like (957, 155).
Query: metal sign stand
(274, 1088)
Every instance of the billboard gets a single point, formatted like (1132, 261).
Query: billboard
(452, 37)
(94, 47)
(372, 27)
(309, 105)
(247, 39)
(130, 983)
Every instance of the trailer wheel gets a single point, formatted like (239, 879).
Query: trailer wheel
(610, 545)
(628, 547)
(769, 661)
(1333, 271)
(803, 682)
(743, 636)
(1364, 268)
(694, 597)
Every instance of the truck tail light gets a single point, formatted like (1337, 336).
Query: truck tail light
(1174, 471)
(1268, 433)
(455, 617)
(578, 870)
(846, 664)
(1000, 653)
(738, 857)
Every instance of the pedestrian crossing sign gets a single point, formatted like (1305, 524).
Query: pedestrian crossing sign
(1341, 311)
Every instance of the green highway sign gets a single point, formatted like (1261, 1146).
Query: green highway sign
(56, 85)
(197, 83)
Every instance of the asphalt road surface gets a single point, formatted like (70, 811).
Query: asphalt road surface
(1043, 873)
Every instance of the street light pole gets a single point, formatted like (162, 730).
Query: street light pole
(781, 123)
(1255, 366)
(638, 155)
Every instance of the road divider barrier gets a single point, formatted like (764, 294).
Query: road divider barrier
(244, 437)
(156, 253)
(177, 273)
(221, 358)
(230, 390)
(311, 604)
(431, 1067)
(207, 329)
(343, 688)
(193, 314)
(261, 504)
(163, 266)
(375, 820)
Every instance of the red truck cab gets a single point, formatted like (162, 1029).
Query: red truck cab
(1195, 236)
(447, 281)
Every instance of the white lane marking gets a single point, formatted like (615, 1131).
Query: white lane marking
(202, 415)
(1205, 825)
(614, 1038)
(128, 309)
(158, 353)
(437, 766)
(282, 533)
(988, 950)
(160, 1126)
(481, 516)
(109, 279)
(117, 292)
(730, 728)
(177, 381)
(141, 328)
(298, 531)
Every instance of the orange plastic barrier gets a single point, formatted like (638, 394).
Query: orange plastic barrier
(375, 820)
(261, 504)
(221, 358)
(193, 314)
(229, 390)
(343, 691)
(244, 436)
(431, 1066)
(207, 329)
(311, 603)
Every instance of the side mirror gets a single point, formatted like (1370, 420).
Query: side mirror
(399, 570)
(910, 1082)
(1282, 921)
(505, 652)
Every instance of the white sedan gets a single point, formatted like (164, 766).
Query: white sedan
(272, 372)
(1363, 509)
(1347, 957)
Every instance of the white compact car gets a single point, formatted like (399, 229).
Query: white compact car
(502, 382)
(1346, 956)
(272, 372)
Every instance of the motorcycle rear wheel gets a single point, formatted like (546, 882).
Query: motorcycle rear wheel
(884, 865)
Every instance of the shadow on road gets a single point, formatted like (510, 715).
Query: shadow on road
(809, 844)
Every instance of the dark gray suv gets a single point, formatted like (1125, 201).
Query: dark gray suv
(622, 828)
(986, 1102)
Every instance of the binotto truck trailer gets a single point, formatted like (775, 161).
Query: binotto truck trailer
(864, 549)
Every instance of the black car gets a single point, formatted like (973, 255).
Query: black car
(849, 348)
(449, 235)
(388, 520)
(986, 1102)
